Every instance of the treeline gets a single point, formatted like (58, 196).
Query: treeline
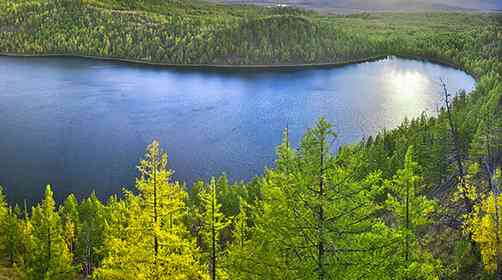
(309, 218)
(191, 32)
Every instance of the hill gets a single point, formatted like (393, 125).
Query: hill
(181, 32)
(351, 6)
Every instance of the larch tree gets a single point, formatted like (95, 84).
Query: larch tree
(90, 235)
(315, 220)
(13, 236)
(70, 222)
(485, 226)
(154, 242)
(49, 257)
(4, 216)
(411, 212)
(214, 221)
(233, 261)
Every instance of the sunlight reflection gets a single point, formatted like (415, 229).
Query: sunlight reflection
(406, 90)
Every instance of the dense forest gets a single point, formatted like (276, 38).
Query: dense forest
(421, 201)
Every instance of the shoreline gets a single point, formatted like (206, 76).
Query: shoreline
(241, 67)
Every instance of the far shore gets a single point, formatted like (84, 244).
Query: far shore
(250, 67)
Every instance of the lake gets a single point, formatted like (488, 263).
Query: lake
(82, 124)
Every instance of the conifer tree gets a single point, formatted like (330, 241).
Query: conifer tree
(485, 226)
(13, 242)
(90, 235)
(49, 257)
(214, 222)
(151, 241)
(234, 262)
(4, 216)
(411, 212)
(315, 220)
(70, 222)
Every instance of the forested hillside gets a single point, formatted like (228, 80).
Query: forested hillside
(417, 202)
(177, 32)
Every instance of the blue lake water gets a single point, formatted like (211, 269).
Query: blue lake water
(82, 125)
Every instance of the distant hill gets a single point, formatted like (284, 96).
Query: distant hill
(380, 5)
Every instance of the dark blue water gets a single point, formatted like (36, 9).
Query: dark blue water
(82, 125)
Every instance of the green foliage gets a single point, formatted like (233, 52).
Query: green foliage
(213, 223)
(48, 257)
(411, 213)
(315, 221)
(4, 215)
(90, 233)
(152, 241)
(188, 32)
(353, 215)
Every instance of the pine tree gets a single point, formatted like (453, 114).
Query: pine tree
(49, 257)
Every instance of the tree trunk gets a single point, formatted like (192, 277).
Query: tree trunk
(320, 247)
(458, 152)
(213, 235)
(407, 245)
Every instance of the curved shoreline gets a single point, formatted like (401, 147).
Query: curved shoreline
(250, 67)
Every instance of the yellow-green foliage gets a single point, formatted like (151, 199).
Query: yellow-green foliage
(7, 272)
(482, 225)
(152, 242)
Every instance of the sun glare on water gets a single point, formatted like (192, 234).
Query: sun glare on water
(407, 90)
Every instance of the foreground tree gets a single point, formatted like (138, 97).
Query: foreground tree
(4, 216)
(49, 257)
(411, 213)
(214, 222)
(486, 227)
(152, 242)
(90, 237)
(315, 220)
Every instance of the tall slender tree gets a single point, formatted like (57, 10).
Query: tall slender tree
(315, 221)
(411, 211)
(214, 221)
(152, 241)
(49, 257)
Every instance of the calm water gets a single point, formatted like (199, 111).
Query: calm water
(82, 125)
